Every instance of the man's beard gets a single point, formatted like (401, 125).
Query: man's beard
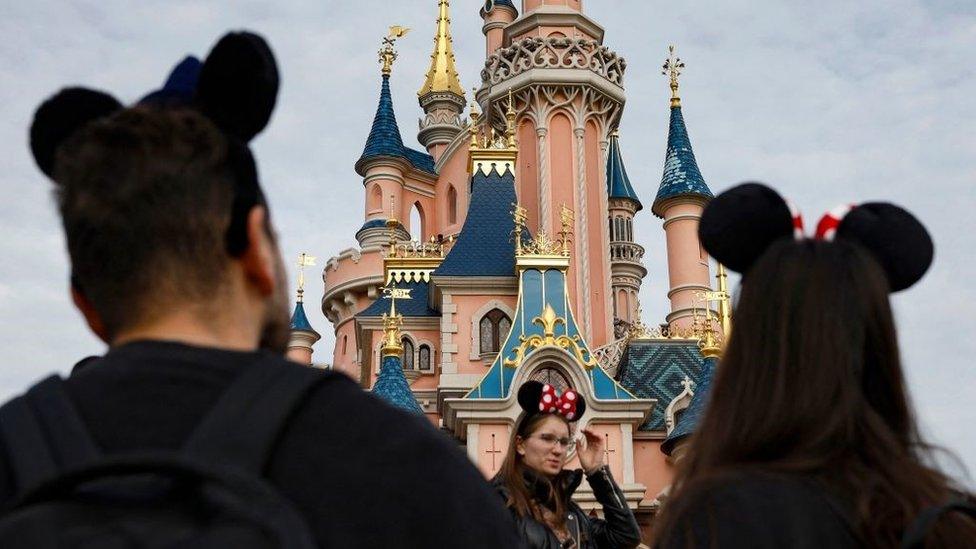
(277, 325)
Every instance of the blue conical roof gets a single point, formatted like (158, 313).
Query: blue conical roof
(485, 246)
(696, 409)
(384, 137)
(618, 184)
(392, 386)
(299, 321)
(492, 4)
(681, 174)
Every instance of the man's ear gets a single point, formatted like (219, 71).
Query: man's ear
(259, 258)
(92, 317)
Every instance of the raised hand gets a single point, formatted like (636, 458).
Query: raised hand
(590, 452)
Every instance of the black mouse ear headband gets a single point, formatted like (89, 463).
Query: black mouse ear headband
(236, 88)
(541, 398)
(739, 225)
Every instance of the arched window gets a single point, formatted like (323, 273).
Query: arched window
(416, 222)
(494, 326)
(552, 376)
(407, 353)
(452, 205)
(423, 358)
(375, 198)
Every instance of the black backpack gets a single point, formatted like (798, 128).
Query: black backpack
(209, 494)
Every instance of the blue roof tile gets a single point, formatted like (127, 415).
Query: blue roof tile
(384, 137)
(485, 246)
(696, 410)
(681, 174)
(655, 369)
(416, 306)
(618, 184)
(299, 321)
(392, 386)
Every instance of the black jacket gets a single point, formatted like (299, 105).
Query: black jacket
(618, 530)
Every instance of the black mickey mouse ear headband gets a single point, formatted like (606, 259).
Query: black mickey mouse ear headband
(541, 398)
(739, 225)
(236, 87)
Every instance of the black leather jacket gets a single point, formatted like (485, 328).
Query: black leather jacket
(618, 530)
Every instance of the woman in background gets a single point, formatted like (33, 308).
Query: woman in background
(538, 491)
(809, 439)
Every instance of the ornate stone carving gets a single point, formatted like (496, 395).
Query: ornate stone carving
(553, 53)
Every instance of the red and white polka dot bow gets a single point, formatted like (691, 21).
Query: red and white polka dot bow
(552, 403)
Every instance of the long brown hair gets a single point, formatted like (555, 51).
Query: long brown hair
(811, 384)
(512, 475)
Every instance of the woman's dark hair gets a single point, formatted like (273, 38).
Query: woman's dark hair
(512, 475)
(811, 384)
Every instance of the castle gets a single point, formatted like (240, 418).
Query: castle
(525, 264)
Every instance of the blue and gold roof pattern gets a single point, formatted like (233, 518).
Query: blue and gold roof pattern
(391, 385)
(655, 369)
(384, 137)
(618, 184)
(681, 174)
(696, 410)
(539, 290)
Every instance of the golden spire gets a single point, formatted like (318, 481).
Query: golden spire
(442, 75)
(388, 53)
(392, 323)
(672, 69)
(304, 260)
(725, 303)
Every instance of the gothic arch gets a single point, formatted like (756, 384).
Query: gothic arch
(475, 353)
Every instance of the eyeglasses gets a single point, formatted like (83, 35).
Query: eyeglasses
(552, 440)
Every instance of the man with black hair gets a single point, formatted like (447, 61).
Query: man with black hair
(175, 265)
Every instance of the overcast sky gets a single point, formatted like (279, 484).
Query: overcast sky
(828, 101)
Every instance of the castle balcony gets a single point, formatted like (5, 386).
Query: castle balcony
(352, 280)
(626, 260)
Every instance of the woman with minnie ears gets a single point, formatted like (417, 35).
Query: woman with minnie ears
(809, 439)
(538, 491)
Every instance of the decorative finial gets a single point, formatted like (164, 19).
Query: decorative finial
(672, 68)
(725, 302)
(521, 216)
(304, 260)
(391, 224)
(442, 76)
(388, 53)
(475, 115)
(566, 220)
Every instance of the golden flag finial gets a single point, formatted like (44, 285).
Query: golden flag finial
(304, 260)
(442, 76)
(393, 321)
(672, 69)
(388, 53)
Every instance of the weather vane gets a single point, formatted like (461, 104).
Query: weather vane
(304, 260)
(672, 69)
(388, 53)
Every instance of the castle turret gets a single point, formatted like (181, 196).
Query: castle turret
(497, 14)
(303, 336)
(680, 201)
(391, 385)
(626, 269)
(441, 96)
(384, 160)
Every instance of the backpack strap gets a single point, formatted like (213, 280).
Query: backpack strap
(915, 534)
(243, 427)
(44, 434)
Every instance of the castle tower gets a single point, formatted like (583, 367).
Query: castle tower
(303, 336)
(384, 160)
(680, 201)
(497, 14)
(441, 96)
(391, 385)
(569, 96)
(626, 269)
